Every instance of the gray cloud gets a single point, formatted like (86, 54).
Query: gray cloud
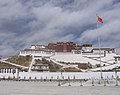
(27, 22)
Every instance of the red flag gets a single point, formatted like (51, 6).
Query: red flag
(100, 19)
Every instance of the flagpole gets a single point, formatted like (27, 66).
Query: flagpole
(99, 42)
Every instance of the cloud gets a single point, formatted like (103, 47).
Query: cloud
(27, 22)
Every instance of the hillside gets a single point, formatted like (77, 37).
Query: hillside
(4, 65)
(20, 60)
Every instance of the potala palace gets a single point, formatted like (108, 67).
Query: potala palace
(69, 54)
(48, 61)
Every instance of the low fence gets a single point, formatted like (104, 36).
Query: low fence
(59, 75)
(66, 75)
(67, 78)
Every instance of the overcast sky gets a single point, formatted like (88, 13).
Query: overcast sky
(27, 22)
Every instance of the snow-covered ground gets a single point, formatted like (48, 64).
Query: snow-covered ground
(79, 58)
(109, 58)
(110, 67)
